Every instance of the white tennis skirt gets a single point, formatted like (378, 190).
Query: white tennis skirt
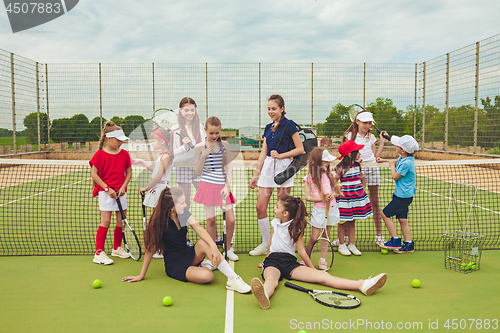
(372, 176)
(318, 216)
(269, 170)
(152, 196)
(108, 204)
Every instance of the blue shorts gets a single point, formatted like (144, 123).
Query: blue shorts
(398, 206)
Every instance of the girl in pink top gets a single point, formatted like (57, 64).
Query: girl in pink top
(322, 189)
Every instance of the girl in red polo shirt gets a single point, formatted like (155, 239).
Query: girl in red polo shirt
(111, 172)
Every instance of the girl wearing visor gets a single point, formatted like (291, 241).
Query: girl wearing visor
(360, 132)
(111, 173)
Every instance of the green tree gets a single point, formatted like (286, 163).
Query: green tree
(62, 130)
(31, 124)
(336, 123)
(130, 123)
(81, 128)
(488, 126)
(95, 129)
(387, 116)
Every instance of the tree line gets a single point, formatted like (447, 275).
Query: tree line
(388, 117)
(398, 122)
(75, 129)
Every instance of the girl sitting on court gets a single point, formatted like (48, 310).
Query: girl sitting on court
(213, 164)
(111, 173)
(288, 230)
(166, 232)
(354, 203)
(161, 139)
(360, 132)
(321, 188)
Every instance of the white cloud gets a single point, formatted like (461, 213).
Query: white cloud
(255, 31)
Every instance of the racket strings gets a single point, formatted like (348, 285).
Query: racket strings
(337, 299)
(131, 242)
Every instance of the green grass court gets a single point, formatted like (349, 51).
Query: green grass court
(47, 237)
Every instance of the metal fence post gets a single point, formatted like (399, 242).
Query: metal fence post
(260, 108)
(364, 84)
(100, 96)
(312, 94)
(154, 106)
(415, 106)
(206, 90)
(423, 109)
(13, 102)
(38, 108)
(476, 111)
(447, 101)
(47, 98)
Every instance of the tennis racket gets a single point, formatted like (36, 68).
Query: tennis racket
(224, 237)
(167, 118)
(129, 237)
(329, 298)
(143, 213)
(322, 247)
(354, 109)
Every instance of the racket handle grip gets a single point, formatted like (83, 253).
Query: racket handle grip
(120, 207)
(386, 137)
(296, 287)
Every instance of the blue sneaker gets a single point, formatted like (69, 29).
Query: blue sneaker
(407, 247)
(394, 243)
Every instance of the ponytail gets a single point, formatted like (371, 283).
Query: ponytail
(298, 212)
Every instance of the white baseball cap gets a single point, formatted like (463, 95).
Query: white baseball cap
(406, 142)
(119, 134)
(365, 116)
(327, 157)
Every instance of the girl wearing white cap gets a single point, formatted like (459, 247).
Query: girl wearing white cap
(360, 133)
(111, 172)
(321, 188)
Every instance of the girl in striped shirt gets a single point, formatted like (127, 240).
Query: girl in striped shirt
(354, 204)
(213, 164)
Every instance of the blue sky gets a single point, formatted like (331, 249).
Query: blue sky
(198, 31)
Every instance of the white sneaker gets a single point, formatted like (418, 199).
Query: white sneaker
(260, 293)
(260, 250)
(207, 262)
(371, 285)
(232, 256)
(157, 255)
(343, 250)
(336, 242)
(380, 240)
(102, 259)
(120, 253)
(238, 285)
(354, 250)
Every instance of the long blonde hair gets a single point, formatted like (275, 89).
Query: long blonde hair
(354, 129)
(109, 126)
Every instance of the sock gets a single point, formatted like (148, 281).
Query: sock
(118, 236)
(322, 259)
(265, 230)
(227, 270)
(408, 242)
(100, 238)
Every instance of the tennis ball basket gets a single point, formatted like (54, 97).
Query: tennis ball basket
(463, 248)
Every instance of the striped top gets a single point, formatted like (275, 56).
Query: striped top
(354, 205)
(212, 169)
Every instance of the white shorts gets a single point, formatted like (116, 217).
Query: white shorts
(185, 175)
(269, 170)
(372, 176)
(152, 196)
(318, 216)
(108, 204)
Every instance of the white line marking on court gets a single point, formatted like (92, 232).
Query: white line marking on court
(34, 195)
(446, 197)
(228, 325)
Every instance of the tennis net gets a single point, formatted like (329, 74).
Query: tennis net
(46, 206)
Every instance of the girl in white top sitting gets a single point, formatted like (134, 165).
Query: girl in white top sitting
(213, 164)
(289, 225)
(360, 132)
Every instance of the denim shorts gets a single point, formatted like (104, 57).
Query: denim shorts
(398, 206)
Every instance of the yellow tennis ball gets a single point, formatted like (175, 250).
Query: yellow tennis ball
(384, 251)
(301, 331)
(415, 283)
(97, 283)
(471, 266)
(464, 266)
(167, 301)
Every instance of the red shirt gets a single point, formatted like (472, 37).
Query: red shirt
(111, 168)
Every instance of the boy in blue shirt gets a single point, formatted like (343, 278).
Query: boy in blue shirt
(404, 173)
